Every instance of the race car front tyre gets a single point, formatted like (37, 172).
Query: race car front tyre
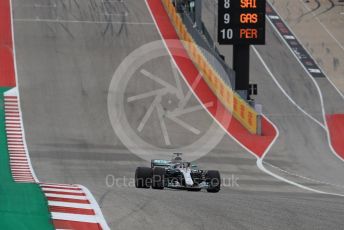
(214, 181)
(143, 177)
(158, 178)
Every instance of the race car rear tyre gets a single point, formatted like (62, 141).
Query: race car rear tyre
(143, 177)
(158, 178)
(214, 180)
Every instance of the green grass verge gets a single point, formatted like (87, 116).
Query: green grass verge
(22, 205)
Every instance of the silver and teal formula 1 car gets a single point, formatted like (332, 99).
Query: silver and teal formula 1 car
(177, 174)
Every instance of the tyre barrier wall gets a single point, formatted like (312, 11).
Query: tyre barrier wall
(239, 108)
(203, 39)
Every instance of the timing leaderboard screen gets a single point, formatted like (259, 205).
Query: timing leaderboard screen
(241, 22)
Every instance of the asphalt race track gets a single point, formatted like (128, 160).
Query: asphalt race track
(67, 54)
